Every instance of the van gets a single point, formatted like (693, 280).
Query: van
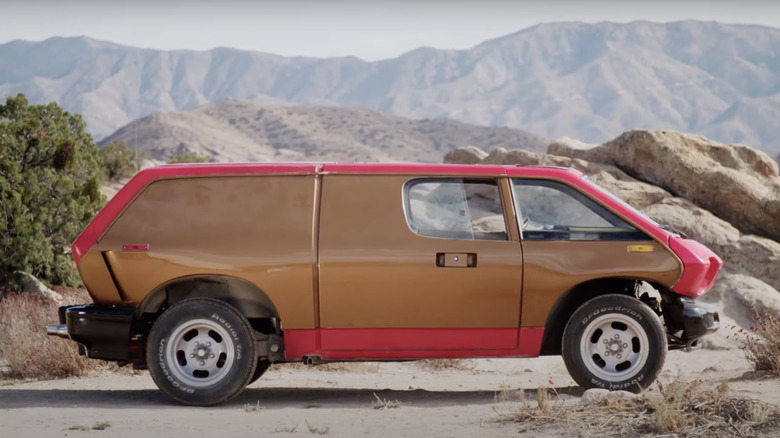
(206, 274)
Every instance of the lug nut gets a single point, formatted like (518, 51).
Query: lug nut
(192, 354)
(196, 344)
(606, 341)
(617, 336)
(606, 353)
(211, 356)
(208, 344)
(625, 345)
(202, 363)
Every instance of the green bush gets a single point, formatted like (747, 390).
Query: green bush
(50, 171)
(121, 161)
(188, 157)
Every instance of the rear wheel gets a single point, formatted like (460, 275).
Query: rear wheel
(201, 352)
(614, 342)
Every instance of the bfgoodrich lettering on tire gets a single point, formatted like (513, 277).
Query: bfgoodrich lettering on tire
(201, 352)
(614, 342)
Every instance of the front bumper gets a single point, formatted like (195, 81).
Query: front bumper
(688, 321)
(103, 332)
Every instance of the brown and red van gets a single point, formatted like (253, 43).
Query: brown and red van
(208, 273)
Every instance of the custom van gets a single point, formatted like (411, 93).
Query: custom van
(206, 274)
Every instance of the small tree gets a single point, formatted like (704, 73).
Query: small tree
(121, 161)
(188, 157)
(49, 188)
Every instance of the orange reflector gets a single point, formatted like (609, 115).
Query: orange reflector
(640, 248)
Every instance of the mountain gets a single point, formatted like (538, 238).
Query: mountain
(236, 130)
(588, 81)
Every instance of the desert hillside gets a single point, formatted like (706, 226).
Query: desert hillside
(588, 81)
(724, 196)
(233, 130)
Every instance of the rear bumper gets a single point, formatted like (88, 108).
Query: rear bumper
(688, 321)
(103, 332)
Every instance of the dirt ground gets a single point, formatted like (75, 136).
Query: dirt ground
(335, 400)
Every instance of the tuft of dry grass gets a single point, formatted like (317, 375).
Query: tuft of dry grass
(338, 367)
(681, 408)
(382, 404)
(26, 352)
(317, 430)
(762, 343)
(444, 364)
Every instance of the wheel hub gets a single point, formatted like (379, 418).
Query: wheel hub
(201, 351)
(615, 348)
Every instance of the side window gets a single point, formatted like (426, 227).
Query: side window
(455, 209)
(548, 210)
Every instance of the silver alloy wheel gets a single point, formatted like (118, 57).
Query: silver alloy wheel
(200, 352)
(614, 347)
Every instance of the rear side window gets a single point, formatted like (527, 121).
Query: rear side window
(455, 209)
(549, 210)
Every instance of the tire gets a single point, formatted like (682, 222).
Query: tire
(201, 352)
(262, 367)
(614, 342)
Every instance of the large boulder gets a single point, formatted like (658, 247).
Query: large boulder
(27, 284)
(735, 182)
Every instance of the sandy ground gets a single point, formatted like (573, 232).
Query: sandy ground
(435, 403)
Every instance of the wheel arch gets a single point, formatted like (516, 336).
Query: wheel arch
(249, 299)
(575, 297)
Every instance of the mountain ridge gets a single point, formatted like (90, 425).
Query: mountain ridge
(588, 81)
(239, 130)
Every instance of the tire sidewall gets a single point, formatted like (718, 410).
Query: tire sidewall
(614, 304)
(242, 367)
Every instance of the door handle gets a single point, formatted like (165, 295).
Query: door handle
(456, 259)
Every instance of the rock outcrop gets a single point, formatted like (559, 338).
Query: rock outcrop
(717, 194)
(735, 182)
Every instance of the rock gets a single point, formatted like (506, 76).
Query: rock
(465, 155)
(595, 395)
(29, 284)
(740, 296)
(737, 183)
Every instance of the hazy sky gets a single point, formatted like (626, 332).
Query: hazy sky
(369, 29)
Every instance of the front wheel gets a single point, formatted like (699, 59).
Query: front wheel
(614, 342)
(201, 352)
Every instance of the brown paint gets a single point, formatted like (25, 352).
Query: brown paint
(345, 257)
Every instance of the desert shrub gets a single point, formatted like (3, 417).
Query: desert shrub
(188, 157)
(50, 172)
(25, 349)
(762, 343)
(122, 161)
(678, 408)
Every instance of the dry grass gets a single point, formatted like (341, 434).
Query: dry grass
(382, 404)
(762, 343)
(26, 352)
(681, 408)
(338, 367)
(444, 364)
(317, 430)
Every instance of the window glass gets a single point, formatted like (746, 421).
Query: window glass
(455, 209)
(548, 210)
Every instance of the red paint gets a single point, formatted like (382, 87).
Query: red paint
(701, 266)
(398, 344)
(137, 247)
